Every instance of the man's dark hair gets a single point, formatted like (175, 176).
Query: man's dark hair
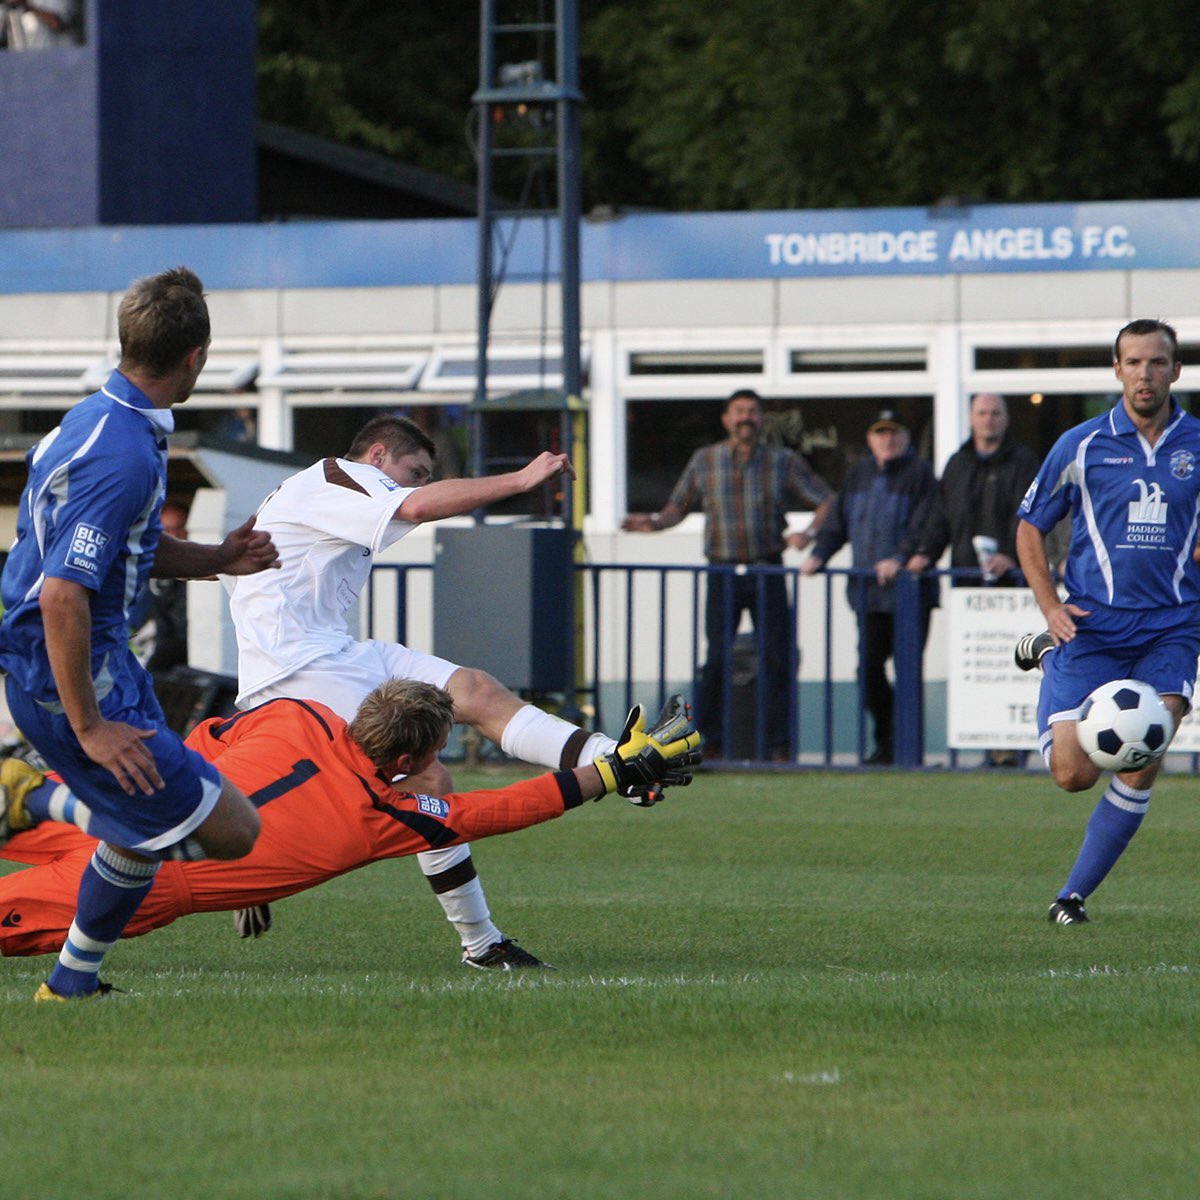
(161, 319)
(398, 434)
(1143, 326)
(744, 394)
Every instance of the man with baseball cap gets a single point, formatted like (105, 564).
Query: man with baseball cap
(880, 510)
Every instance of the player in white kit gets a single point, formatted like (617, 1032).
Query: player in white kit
(328, 522)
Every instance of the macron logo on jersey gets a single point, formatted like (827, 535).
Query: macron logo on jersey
(87, 544)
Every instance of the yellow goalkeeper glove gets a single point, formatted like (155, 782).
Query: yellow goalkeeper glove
(645, 758)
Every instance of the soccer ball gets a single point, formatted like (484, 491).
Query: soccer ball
(1124, 726)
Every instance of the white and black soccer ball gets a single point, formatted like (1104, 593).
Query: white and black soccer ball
(1124, 726)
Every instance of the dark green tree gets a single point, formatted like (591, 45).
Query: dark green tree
(743, 104)
(393, 78)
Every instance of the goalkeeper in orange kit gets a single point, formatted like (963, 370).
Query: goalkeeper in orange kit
(327, 802)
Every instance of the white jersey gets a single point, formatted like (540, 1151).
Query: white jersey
(327, 522)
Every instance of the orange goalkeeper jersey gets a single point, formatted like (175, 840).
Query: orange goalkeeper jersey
(325, 810)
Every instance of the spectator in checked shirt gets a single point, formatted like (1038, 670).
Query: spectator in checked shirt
(745, 489)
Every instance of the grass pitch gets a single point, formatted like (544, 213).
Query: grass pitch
(812, 985)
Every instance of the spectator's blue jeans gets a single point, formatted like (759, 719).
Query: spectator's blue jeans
(876, 644)
(728, 596)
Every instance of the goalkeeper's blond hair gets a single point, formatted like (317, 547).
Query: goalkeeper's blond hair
(402, 716)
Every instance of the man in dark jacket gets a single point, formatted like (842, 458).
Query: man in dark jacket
(983, 483)
(974, 512)
(880, 510)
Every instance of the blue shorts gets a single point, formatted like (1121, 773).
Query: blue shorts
(147, 824)
(1159, 648)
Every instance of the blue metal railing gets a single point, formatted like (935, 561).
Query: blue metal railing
(634, 650)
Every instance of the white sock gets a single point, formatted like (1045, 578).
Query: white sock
(596, 745)
(538, 737)
(466, 909)
(465, 906)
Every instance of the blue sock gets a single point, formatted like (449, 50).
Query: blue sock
(1112, 825)
(110, 891)
(54, 801)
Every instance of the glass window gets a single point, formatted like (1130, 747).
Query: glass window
(1048, 358)
(323, 430)
(511, 440)
(1052, 358)
(829, 432)
(1039, 419)
(696, 362)
(805, 362)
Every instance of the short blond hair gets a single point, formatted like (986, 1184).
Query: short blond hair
(161, 319)
(402, 716)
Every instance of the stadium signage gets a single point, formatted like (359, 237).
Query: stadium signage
(1151, 234)
(987, 244)
(990, 703)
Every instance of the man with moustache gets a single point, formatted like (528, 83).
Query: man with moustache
(745, 489)
(1129, 480)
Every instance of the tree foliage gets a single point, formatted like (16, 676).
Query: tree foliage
(393, 78)
(748, 104)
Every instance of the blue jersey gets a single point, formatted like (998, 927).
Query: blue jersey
(1133, 510)
(89, 513)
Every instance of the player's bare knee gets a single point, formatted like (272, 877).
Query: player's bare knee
(232, 828)
(478, 696)
(241, 839)
(1074, 776)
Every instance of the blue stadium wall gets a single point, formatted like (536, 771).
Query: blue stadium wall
(87, 133)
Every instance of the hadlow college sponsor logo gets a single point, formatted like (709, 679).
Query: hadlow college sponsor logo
(1147, 514)
(1149, 508)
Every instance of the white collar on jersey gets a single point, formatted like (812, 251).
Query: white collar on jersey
(120, 389)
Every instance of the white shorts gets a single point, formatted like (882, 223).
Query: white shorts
(342, 681)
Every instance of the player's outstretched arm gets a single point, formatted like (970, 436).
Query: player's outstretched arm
(666, 753)
(454, 497)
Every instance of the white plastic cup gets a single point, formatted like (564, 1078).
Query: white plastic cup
(985, 547)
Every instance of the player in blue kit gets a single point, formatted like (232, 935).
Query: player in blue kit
(1130, 480)
(88, 537)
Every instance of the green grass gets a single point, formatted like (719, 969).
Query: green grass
(817, 985)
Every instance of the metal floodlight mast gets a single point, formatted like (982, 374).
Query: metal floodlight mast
(526, 87)
(506, 87)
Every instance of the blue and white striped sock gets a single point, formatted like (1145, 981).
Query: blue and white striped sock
(189, 850)
(110, 891)
(1111, 828)
(54, 801)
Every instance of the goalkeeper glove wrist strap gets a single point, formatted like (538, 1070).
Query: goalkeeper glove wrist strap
(606, 765)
